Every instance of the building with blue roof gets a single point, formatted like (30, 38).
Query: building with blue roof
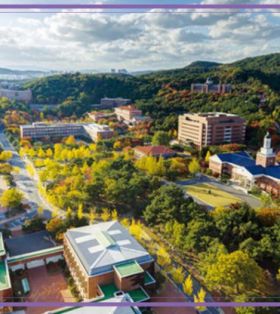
(247, 172)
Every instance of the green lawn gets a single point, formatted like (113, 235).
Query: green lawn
(211, 195)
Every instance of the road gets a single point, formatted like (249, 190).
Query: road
(27, 185)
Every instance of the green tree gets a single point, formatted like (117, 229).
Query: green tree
(168, 203)
(161, 138)
(234, 273)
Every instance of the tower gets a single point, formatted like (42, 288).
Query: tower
(266, 157)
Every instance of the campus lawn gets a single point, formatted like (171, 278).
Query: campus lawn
(211, 195)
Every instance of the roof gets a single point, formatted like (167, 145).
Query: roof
(128, 269)
(4, 276)
(128, 108)
(154, 150)
(101, 310)
(28, 243)
(2, 248)
(243, 159)
(101, 246)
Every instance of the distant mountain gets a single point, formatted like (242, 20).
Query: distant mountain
(11, 74)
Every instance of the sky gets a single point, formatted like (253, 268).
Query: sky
(136, 41)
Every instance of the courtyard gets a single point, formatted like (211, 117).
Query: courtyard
(46, 285)
(211, 195)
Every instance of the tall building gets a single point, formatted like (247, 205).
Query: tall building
(106, 254)
(210, 87)
(263, 172)
(17, 95)
(212, 128)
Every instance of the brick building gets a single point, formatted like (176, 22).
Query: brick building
(130, 115)
(105, 255)
(210, 87)
(263, 172)
(212, 128)
(154, 151)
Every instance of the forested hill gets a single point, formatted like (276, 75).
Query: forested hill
(92, 87)
(165, 94)
(89, 88)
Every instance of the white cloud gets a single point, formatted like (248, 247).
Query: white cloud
(135, 41)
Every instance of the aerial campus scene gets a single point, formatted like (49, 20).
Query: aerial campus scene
(139, 157)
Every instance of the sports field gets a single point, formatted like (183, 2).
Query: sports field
(211, 195)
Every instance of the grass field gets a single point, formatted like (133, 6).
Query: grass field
(211, 195)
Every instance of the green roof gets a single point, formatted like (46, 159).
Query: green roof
(138, 295)
(4, 276)
(108, 291)
(148, 279)
(128, 269)
(2, 248)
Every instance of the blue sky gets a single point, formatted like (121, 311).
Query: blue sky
(135, 41)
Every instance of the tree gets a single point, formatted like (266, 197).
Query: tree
(234, 273)
(237, 223)
(40, 211)
(92, 216)
(105, 215)
(70, 140)
(163, 258)
(11, 198)
(169, 203)
(161, 138)
(194, 166)
(69, 212)
(200, 298)
(268, 216)
(178, 275)
(188, 286)
(33, 225)
(114, 215)
(80, 212)
(207, 157)
(6, 155)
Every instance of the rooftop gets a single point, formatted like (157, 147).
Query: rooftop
(28, 243)
(4, 276)
(2, 248)
(128, 108)
(154, 150)
(243, 159)
(101, 310)
(104, 245)
(212, 114)
(128, 269)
